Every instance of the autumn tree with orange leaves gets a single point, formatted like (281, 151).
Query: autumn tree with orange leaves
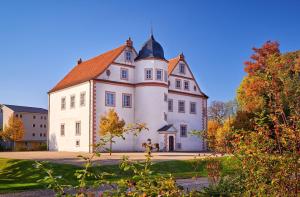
(269, 149)
(14, 130)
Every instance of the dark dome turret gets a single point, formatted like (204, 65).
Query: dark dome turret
(151, 49)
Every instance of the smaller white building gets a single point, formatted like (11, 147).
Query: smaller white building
(35, 122)
(141, 87)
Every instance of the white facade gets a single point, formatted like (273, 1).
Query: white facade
(149, 103)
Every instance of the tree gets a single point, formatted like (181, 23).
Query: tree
(269, 153)
(14, 131)
(111, 126)
(217, 111)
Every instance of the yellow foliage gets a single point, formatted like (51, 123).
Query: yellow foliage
(14, 131)
(110, 124)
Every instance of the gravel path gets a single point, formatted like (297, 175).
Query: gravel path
(105, 159)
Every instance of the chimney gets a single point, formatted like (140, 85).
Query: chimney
(181, 56)
(79, 61)
(129, 42)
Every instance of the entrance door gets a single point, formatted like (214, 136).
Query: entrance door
(171, 143)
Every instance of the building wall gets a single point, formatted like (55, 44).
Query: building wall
(69, 117)
(150, 105)
(127, 114)
(7, 113)
(193, 122)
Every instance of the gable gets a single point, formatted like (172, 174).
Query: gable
(174, 71)
(89, 69)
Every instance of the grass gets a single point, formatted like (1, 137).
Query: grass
(18, 175)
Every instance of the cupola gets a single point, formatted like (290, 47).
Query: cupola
(151, 49)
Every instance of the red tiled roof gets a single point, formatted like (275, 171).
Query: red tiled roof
(89, 69)
(172, 64)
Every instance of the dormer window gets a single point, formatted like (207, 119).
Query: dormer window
(128, 56)
(182, 68)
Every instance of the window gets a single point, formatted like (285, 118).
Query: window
(192, 107)
(165, 97)
(148, 73)
(82, 99)
(186, 85)
(72, 101)
(44, 126)
(183, 131)
(41, 126)
(33, 134)
(165, 116)
(124, 73)
(170, 105)
(77, 128)
(182, 68)
(21, 116)
(33, 125)
(33, 117)
(110, 99)
(17, 115)
(166, 76)
(195, 88)
(126, 100)
(159, 74)
(128, 56)
(62, 105)
(77, 142)
(45, 118)
(62, 129)
(44, 134)
(178, 83)
(41, 135)
(181, 106)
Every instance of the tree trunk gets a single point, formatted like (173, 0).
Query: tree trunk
(110, 146)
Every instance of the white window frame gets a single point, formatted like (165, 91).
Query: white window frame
(161, 74)
(62, 128)
(170, 105)
(195, 105)
(188, 85)
(128, 54)
(72, 106)
(178, 80)
(182, 68)
(124, 95)
(166, 76)
(78, 132)
(146, 74)
(183, 126)
(106, 99)
(179, 110)
(82, 99)
(62, 104)
(121, 74)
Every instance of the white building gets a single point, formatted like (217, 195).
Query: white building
(142, 87)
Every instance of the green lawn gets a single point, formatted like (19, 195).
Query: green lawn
(22, 175)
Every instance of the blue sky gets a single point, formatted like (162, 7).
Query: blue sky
(40, 41)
